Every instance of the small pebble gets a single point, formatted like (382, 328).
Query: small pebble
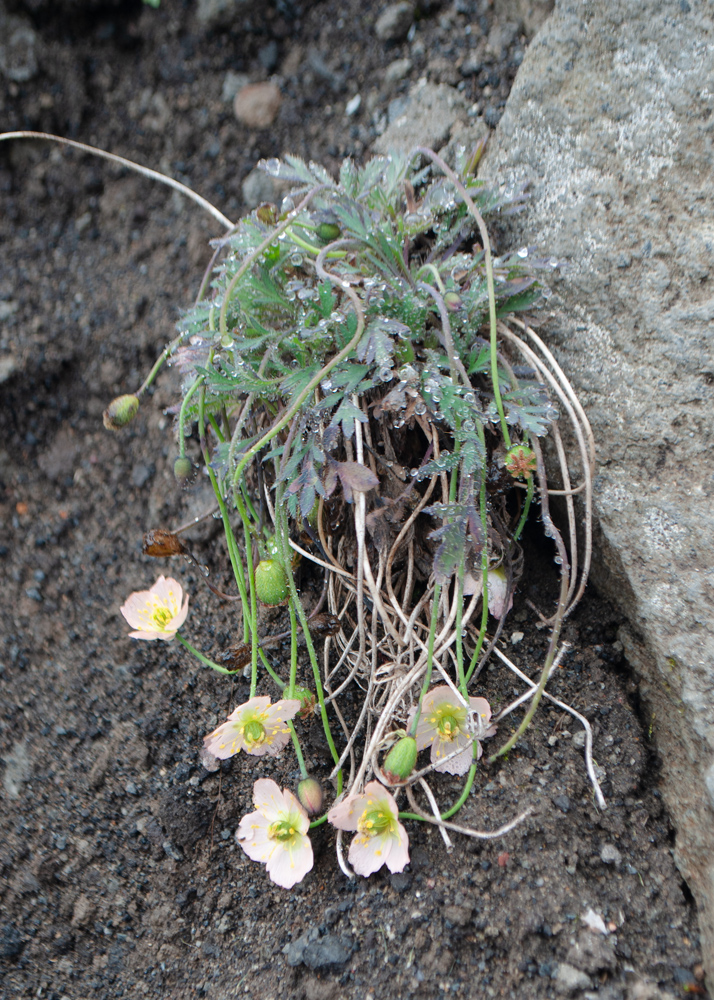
(516, 637)
(257, 104)
(610, 855)
(394, 22)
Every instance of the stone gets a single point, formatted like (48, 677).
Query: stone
(18, 61)
(570, 980)
(327, 953)
(257, 104)
(258, 187)
(219, 13)
(592, 953)
(609, 855)
(232, 83)
(610, 122)
(531, 14)
(18, 770)
(394, 22)
(423, 118)
(397, 70)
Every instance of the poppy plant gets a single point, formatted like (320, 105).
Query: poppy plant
(276, 834)
(256, 726)
(380, 837)
(156, 613)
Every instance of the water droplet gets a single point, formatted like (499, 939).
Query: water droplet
(558, 561)
(386, 374)
(420, 408)
(296, 259)
(413, 472)
(271, 166)
(523, 252)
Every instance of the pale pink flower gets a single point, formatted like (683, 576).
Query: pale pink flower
(444, 725)
(497, 583)
(256, 727)
(156, 613)
(275, 834)
(381, 839)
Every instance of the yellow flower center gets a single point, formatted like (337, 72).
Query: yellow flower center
(254, 733)
(448, 720)
(375, 821)
(161, 617)
(282, 830)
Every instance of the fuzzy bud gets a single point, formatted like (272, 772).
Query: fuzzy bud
(120, 412)
(310, 794)
(183, 469)
(271, 583)
(307, 700)
(520, 461)
(399, 762)
(453, 301)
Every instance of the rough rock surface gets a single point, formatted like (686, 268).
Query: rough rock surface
(611, 120)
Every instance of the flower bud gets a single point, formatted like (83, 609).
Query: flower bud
(453, 301)
(183, 468)
(520, 461)
(310, 795)
(271, 583)
(399, 762)
(307, 701)
(120, 412)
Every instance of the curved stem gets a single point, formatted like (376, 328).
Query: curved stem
(202, 658)
(493, 321)
(153, 175)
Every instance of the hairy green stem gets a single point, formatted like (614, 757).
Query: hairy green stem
(202, 658)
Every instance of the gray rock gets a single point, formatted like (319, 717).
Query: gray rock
(610, 855)
(232, 83)
(18, 770)
(592, 952)
(219, 13)
(257, 188)
(610, 121)
(397, 70)
(394, 22)
(327, 953)
(532, 14)
(18, 61)
(570, 980)
(424, 117)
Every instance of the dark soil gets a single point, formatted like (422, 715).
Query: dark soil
(120, 874)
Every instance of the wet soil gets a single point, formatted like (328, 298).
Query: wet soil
(120, 873)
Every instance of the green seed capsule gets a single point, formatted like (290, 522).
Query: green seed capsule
(399, 762)
(183, 469)
(328, 231)
(120, 412)
(271, 583)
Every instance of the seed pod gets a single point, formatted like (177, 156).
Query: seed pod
(399, 762)
(267, 213)
(120, 412)
(328, 231)
(183, 468)
(271, 583)
(161, 542)
(236, 656)
(310, 795)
